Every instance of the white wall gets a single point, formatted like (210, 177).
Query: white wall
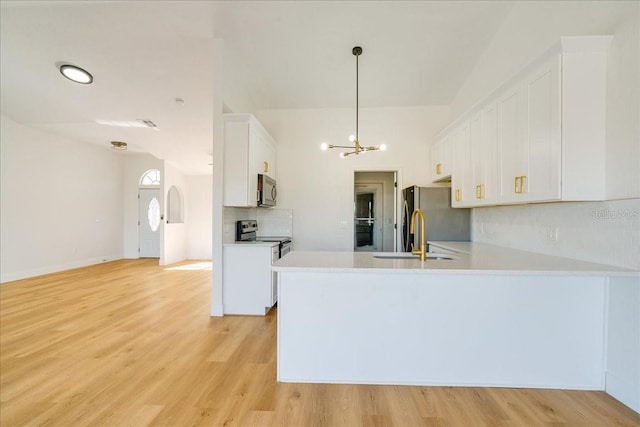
(61, 203)
(135, 164)
(199, 206)
(318, 186)
(173, 239)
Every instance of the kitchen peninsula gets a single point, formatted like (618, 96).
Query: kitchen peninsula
(489, 317)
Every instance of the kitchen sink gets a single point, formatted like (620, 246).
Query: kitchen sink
(409, 255)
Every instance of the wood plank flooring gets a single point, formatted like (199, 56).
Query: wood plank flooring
(130, 343)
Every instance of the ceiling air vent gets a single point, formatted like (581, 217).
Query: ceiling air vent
(140, 123)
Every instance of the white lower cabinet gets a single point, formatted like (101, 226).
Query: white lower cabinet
(249, 285)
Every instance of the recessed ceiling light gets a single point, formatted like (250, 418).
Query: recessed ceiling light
(118, 145)
(76, 74)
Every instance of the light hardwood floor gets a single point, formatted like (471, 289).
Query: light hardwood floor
(129, 343)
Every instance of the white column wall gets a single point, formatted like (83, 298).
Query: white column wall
(199, 206)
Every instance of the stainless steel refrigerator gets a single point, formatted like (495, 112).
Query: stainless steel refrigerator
(443, 223)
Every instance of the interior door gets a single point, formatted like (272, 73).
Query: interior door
(149, 219)
(368, 218)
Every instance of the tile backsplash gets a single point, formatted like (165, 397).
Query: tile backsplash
(275, 222)
(601, 232)
(271, 222)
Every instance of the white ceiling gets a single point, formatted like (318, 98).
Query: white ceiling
(290, 54)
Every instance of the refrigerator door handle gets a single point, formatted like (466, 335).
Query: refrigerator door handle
(405, 227)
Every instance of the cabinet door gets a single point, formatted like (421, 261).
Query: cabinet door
(542, 133)
(483, 142)
(529, 137)
(275, 255)
(512, 151)
(236, 158)
(487, 181)
(441, 153)
(478, 165)
(461, 179)
(248, 279)
(255, 165)
(268, 161)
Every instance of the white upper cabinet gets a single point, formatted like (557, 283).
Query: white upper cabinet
(541, 136)
(529, 143)
(248, 151)
(441, 152)
(461, 174)
(484, 155)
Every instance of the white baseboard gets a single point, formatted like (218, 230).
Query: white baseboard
(25, 274)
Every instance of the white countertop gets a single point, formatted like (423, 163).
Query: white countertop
(477, 258)
(461, 247)
(252, 243)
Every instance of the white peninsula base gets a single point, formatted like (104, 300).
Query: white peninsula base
(438, 328)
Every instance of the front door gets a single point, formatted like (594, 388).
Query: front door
(149, 217)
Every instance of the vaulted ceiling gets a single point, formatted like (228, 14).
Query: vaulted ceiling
(280, 54)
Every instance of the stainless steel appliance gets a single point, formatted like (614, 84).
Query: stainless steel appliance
(441, 220)
(246, 231)
(267, 191)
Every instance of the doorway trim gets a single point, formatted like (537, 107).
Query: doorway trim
(397, 199)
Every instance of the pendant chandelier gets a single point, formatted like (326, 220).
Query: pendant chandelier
(356, 148)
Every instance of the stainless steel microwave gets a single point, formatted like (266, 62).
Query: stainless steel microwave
(267, 191)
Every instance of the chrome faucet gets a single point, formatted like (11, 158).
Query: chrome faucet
(423, 244)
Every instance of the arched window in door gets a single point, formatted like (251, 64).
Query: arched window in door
(150, 177)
